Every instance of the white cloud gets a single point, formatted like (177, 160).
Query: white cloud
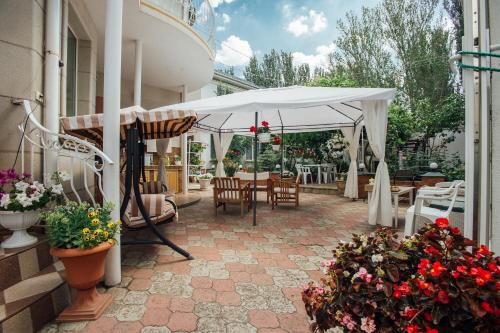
(317, 60)
(234, 52)
(226, 18)
(216, 3)
(311, 23)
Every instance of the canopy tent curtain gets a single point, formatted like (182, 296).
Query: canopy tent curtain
(222, 142)
(290, 110)
(380, 207)
(352, 135)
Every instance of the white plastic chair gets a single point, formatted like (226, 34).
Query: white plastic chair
(428, 194)
(304, 172)
(327, 171)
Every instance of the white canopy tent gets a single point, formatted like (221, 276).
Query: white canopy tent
(305, 109)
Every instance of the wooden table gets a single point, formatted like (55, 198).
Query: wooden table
(403, 190)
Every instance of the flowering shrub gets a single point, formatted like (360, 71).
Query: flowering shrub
(207, 176)
(262, 129)
(427, 283)
(19, 193)
(80, 225)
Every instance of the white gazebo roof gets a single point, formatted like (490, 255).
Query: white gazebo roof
(291, 109)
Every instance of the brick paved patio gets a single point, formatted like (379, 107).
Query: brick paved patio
(244, 278)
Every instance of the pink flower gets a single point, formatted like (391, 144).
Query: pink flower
(368, 325)
(348, 322)
(329, 263)
(380, 284)
(364, 275)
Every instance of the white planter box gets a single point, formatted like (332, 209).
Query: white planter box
(18, 222)
(204, 183)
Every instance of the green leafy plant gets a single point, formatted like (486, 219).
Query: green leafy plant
(207, 176)
(80, 225)
(230, 167)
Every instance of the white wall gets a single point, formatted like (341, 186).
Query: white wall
(495, 124)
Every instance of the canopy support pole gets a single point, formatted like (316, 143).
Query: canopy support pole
(255, 150)
(282, 153)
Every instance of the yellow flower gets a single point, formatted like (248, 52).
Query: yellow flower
(106, 234)
(95, 221)
(98, 231)
(91, 214)
(87, 238)
(111, 225)
(85, 231)
(92, 237)
(119, 222)
(111, 241)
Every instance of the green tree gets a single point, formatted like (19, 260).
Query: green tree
(455, 10)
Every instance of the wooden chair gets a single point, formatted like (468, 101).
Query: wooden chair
(231, 191)
(285, 191)
(264, 183)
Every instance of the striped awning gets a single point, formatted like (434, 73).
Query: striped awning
(151, 124)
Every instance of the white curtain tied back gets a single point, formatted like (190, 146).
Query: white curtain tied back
(161, 149)
(222, 141)
(352, 136)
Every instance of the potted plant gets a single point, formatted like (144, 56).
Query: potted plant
(177, 160)
(263, 132)
(21, 201)
(428, 283)
(276, 143)
(80, 235)
(204, 180)
(341, 182)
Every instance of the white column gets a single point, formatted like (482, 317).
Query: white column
(112, 81)
(468, 84)
(138, 73)
(52, 79)
(64, 56)
(184, 152)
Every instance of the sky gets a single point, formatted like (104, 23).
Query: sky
(307, 28)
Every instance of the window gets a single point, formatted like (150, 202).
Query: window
(71, 72)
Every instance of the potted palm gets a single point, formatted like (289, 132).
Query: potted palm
(21, 201)
(205, 180)
(81, 235)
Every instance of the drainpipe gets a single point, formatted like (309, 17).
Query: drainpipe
(184, 151)
(51, 83)
(138, 73)
(64, 56)
(112, 90)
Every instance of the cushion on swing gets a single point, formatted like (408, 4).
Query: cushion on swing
(156, 187)
(157, 208)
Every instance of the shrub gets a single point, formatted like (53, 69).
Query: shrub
(429, 283)
(80, 225)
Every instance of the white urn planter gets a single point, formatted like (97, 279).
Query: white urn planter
(19, 222)
(204, 183)
(276, 147)
(264, 137)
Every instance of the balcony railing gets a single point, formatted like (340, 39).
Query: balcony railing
(196, 14)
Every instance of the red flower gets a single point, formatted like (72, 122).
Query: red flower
(428, 316)
(277, 140)
(493, 267)
(253, 129)
(473, 271)
(442, 222)
(487, 307)
(497, 285)
(412, 329)
(432, 250)
(462, 269)
(405, 288)
(396, 294)
(431, 330)
(443, 297)
(455, 231)
(437, 269)
(483, 276)
(483, 250)
(455, 274)
(265, 124)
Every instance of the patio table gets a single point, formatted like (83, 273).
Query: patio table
(319, 170)
(395, 198)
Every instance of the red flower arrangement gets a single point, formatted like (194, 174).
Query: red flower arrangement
(263, 129)
(427, 283)
(276, 140)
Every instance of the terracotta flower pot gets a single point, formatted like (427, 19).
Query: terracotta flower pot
(84, 269)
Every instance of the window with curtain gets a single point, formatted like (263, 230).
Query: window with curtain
(71, 72)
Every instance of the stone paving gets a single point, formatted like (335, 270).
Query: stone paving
(244, 279)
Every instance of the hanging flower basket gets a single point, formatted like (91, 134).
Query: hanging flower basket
(276, 147)
(264, 137)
